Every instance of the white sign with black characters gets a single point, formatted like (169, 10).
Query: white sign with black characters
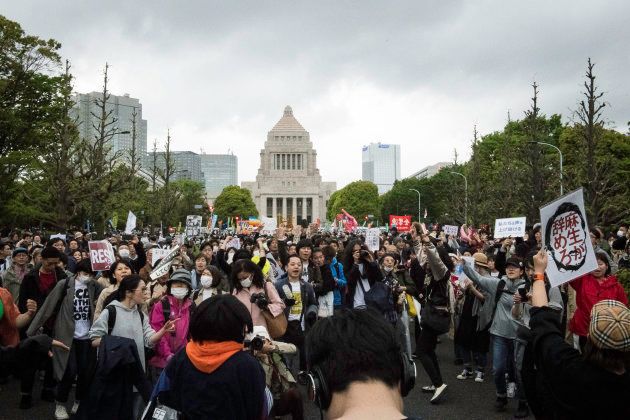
(193, 226)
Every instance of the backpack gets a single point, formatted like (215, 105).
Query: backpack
(378, 297)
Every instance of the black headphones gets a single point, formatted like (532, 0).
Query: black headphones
(319, 393)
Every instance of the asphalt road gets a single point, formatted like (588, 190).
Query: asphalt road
(466, 400)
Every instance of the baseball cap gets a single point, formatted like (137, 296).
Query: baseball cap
(514, 262)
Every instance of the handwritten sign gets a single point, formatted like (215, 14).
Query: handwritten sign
(193, 226)
(513, 227)
(566, 236)
(165, 264)
(158, 254)
(101, 255)
(450, 229)
(372, 240)
(271, 224)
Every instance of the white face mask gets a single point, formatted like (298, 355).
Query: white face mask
(179, 292)
(124, 253)
(206, 281)
(247, 282)
(388, 269)
(230, 257)
(82, 278)
(620, 233)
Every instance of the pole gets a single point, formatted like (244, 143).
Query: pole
(465, 195)
(419, 213)
(560, 153)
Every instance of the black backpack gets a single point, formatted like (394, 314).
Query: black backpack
(378, 297)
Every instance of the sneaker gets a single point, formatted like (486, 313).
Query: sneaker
(479, 377)
(75, 407)
(500, 404)
(48, 395)
(465, 374)
(26, 401)
(511, 389)
(429, 389)
(439, 391)
(522, 411)
(61, 413)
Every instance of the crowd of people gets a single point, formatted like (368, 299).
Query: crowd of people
(237, 323)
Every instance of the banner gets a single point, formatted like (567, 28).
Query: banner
(131, 222)
(101, 255)
(214, 221)
(450, 230)
(372, 240)
(566, 236)
(402, 223)
(271, 225)
(513, 227)
(193, 226)
(165, 264)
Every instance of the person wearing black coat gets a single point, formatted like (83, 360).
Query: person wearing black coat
(361, 270)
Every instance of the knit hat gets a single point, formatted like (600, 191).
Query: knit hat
(19, 251)
(181, 275)
(480, 259)
(610, 325)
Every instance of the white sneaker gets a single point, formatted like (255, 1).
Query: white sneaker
(439, 391)
(479, 377)
(61, 413)
(75, 407)
(511, 389)
(465, 374)
(428, 389)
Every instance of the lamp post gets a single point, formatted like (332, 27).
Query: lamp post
(559, 152)
(465, 196)
(417, 192)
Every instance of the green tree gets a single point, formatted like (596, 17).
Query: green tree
(359, 198)
(235, 201)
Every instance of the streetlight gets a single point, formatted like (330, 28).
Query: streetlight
(417, 192)
(560, 152)
(466, 194)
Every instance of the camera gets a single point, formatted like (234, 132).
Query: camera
(523, 292)
(255, 343)
(259, 299)
(364, 253)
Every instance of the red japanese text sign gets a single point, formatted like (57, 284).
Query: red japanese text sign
(402, 223)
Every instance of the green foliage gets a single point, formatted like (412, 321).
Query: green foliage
(359, 198)
(235, 201)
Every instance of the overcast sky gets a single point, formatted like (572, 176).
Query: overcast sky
(419, 73)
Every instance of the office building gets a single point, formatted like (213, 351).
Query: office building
(219, 171)
(381, 165)
(429, 171)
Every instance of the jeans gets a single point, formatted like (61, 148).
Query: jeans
(519, 352)
(426, 352)
(81, 357)
(502, 362)
(480, 359)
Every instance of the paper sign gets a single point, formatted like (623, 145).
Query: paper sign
(59, 235)
(165, 264)
(156, 254)
(101, 255)
(271, 224)
(234, 243)
(566, 236)
(450, 229)
(131, 222)
(513, 227)
(402, 223)
(372, 240)
(193, 226)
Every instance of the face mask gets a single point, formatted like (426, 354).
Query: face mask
(388, 269)
(179, 292)
(206, 281)
(230, 257)
(83, 278)
(124, 253)
(247, 282)
(620, 233)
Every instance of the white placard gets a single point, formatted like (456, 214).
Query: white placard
(270, 227)
(513, 227)
(131, 222)
(372, 240)
(156, 254)
(165, 264)
(234, 243)
(193, 226)
(566, 236)
(450, 229)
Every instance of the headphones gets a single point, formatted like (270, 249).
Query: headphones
(319, 393)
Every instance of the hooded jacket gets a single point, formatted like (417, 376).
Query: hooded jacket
(170, 344)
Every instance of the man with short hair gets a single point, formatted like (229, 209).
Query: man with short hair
(357, 367)
(5, 257)
(310, 272)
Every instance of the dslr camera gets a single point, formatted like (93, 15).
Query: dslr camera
(255, 344)
(259, 299)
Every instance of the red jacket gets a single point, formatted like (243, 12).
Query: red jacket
(588, 291)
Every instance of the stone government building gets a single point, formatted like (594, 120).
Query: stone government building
(288, 184)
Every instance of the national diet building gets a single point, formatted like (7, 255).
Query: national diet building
(288, 183)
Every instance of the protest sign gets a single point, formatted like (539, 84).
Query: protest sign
(157, 254)
(101, 255)
(234, 243)
(402, 223)
(58, 235)
(513, 227)
(372, 239)
(193, 226)
(450, 229)
(131, 222)
(165, 264)
(566, 236)
(271, 224)
(214, 221)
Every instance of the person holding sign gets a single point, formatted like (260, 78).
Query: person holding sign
(594, 385)
(590, 289)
